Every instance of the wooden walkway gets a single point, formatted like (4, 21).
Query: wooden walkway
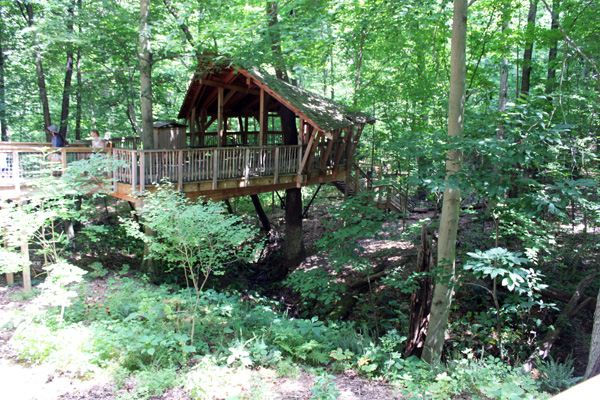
(213, 173)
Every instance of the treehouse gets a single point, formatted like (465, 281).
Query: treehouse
(247, 133)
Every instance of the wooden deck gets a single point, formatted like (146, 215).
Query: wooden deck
(212, 173)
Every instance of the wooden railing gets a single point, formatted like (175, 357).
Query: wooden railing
(387, 196)
(18, 164)
(197, 165)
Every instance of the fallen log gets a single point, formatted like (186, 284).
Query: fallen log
(577, 303)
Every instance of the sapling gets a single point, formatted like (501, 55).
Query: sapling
(198, 237)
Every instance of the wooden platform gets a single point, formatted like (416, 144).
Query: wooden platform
(212, 173)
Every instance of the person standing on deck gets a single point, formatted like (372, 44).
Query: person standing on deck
(97, 141)
(57, 141)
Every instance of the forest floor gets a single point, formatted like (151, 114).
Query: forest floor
(22, 380)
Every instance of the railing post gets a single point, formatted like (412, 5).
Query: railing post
(63, 156)
(180, 178)
(215, 169)
(276, 172)
(115, 175)
(134, 173)
(142, 156)
(16, 172)
(247, 166)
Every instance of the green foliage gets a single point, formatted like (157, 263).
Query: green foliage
(353, 220)
(324, 388)
(503, 264)
(57, 289)
(556, 377)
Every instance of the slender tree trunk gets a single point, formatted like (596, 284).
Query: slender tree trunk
(503, 90)
(528, 53)
(28, 14)
(145, 59)
(3, 126)
(78, 98)
(79, 80)
(264, 220)
(552, 52)
(64, 115)
(442, 294)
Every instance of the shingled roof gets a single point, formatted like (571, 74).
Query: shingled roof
(323, 114)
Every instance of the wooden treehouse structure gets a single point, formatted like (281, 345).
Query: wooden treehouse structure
(235, 144)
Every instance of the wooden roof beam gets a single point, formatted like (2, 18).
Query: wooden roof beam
(217, 84)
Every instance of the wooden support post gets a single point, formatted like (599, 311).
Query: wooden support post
(63, 159)
(246, 166)
(142, 171)
(115, 177)
(220, 118)
(276, 172)
(180, 171)
(10, 278)
(303, 163)
(134, 173)
(215, 169)
(349, 161)
(245, 135)
(26, 269)
(193, 127)
(311, 153)
(202, 126)
(263, 118)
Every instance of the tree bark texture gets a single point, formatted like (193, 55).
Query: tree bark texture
(593, 367)
(39, 71)
(442, 294)
(64, 114)
(3, 126)
(145, 60)
(553, 51)
(420, 300)
(264, 220)
(527, 54)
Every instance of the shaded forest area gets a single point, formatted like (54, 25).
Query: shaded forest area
(485, 285)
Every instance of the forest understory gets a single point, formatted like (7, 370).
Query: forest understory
(374, 306)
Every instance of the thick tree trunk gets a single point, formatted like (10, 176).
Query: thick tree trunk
(527, 55)
(593, 367)
(442, 294)
(145, 59)
(3, 126)
(420, 300)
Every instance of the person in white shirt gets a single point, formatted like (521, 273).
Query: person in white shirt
(97, 141)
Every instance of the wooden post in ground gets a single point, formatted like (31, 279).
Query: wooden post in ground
(26, 269)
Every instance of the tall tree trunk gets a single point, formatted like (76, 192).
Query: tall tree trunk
(145, 59)
(442, 294)
(28, 15)
(553, 51)
(503, 89)
(527, 54)
(79, 80)
(64, 114)
(78, 98)
(3, 126)
(294, 244)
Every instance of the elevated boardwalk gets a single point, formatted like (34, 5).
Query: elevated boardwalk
(212, 173)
